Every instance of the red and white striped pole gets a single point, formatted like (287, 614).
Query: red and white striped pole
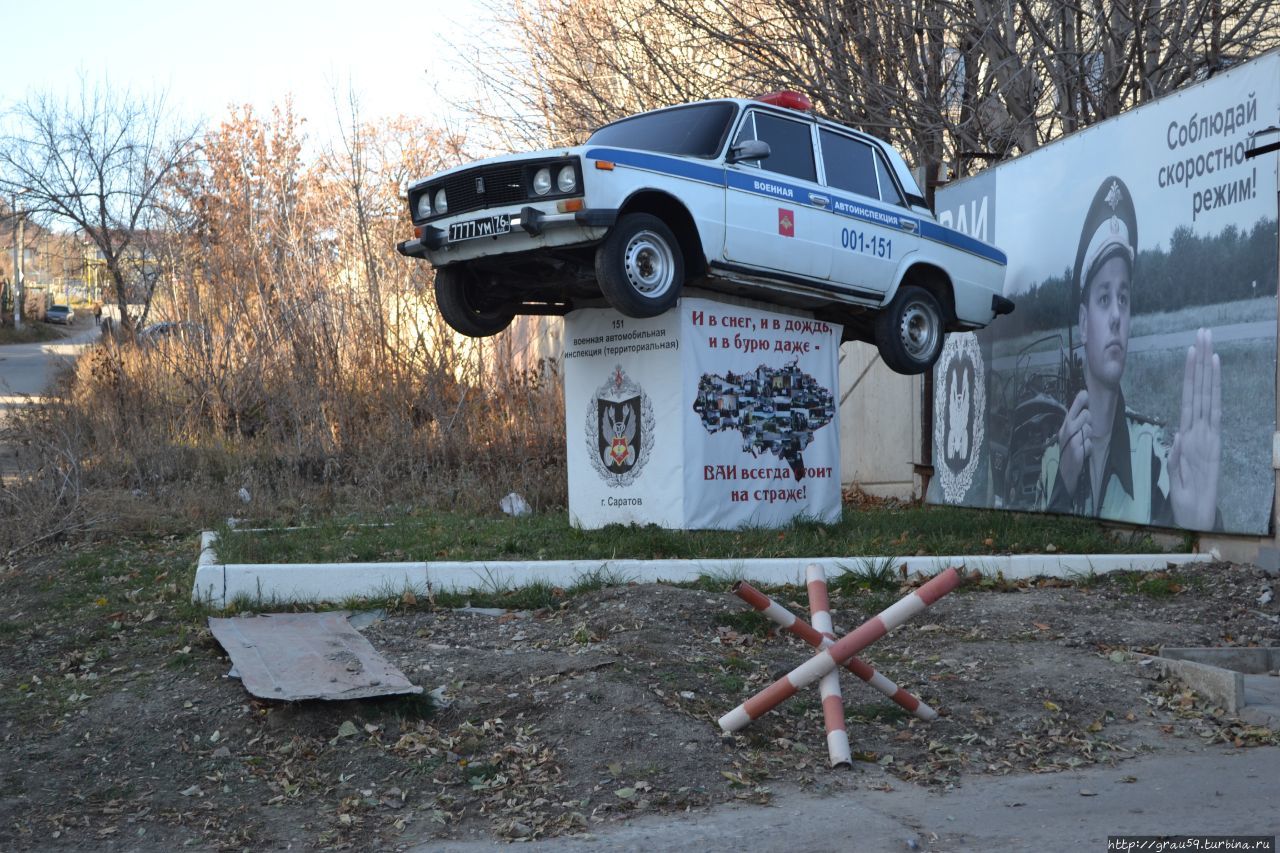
(829, 686)
(788, 621)
(828, 659)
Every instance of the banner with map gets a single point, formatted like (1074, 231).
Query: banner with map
(762, 444)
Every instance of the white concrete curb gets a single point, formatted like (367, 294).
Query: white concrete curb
(217, 584)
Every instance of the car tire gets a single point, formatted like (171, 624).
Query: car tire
(910, 332)
(458, 298)
(640, 267)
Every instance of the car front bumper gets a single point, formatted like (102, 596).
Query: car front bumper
(532, 221)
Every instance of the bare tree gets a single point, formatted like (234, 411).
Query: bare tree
(99, 164)
(951, 82)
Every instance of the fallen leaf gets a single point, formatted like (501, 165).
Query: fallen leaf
(348, 729)
(615, 769)
(625, 793)
(1040, 626)
(1051, 706)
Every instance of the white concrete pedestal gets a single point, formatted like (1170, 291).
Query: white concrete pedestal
(713, 415)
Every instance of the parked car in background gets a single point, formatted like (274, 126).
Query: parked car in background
(184, 331)
(61, 314)
(758, 198)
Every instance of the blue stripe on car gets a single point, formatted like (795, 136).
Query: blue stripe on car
(771, 186)
(657, 163)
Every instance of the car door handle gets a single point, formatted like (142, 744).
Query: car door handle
(819, 200)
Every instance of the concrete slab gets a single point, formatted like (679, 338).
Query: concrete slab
(1241, 659)
(1239, 680)
(296, 656)
(1262, 701)
(1222, 687)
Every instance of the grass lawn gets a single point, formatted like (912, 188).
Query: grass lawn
(890, 530)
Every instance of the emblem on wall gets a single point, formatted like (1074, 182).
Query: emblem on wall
(619, 429)
(959, 415)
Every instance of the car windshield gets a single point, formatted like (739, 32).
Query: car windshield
(698, 130)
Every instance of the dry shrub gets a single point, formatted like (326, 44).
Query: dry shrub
(309, 366)
(167, 434)
(297, 425)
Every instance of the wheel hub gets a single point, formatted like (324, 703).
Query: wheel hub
(649, 264)
(919, 330)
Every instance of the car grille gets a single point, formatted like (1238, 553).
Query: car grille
(503, 185)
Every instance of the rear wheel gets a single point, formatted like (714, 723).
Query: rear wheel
(640, 267)
(910, 332)
(463, 306)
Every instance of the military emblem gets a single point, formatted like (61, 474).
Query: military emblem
(959, 415)
(620, 425)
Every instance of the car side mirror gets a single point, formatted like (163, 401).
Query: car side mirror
(751, 149)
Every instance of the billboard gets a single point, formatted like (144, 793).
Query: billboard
(1136, 379)
(713, 415)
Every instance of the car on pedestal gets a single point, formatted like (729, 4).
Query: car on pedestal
(756, 198)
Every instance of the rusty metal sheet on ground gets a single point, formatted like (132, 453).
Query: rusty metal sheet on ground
(293, 656)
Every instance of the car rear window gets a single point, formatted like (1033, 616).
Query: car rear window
(697, 130)
(850, 164)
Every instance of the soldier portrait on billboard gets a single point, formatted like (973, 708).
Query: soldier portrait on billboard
(1108, 461)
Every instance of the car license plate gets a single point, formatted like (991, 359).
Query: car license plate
(488, 226)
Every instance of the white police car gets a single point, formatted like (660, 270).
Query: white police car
(759, 198)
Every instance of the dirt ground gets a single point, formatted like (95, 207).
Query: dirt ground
(120, 729)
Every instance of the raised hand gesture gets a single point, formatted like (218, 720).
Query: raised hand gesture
(1196, 456)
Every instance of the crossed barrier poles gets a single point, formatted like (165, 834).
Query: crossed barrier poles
(833, 653)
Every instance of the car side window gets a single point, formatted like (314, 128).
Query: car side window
(850, 164)
(790, 142)
(888, 189)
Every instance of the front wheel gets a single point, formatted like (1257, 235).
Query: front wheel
(639, 266)
(461, 304)
(910, 331)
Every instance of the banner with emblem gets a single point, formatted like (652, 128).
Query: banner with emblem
(713, 415)
(623, 430)
(1136, 378)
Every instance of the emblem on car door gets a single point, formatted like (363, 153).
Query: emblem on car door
(786, 222)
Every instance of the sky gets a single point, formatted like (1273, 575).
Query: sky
(209, 56)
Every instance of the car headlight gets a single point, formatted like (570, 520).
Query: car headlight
(567, 180)
(442, 203)
(542, 181)
(424, 205)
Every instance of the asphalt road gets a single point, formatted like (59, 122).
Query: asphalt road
(1202, 791)
(26, 370)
